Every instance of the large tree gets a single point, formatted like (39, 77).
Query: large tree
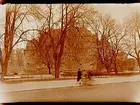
(79, 43)
(57, 37)
(132, 40)
(16, 14)
(108, 38)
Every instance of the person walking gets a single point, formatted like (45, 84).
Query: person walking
(79, 76)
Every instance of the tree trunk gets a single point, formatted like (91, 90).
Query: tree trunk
(115, 66)
(4, 68)
(139, 68)
(139, 65)
(5, 64)
(49, 63)
(108, 69)
(49, 69)
(57, 67)
(138, 62)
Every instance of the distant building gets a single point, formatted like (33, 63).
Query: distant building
(80, 49)
(75, 35)
(30, 53)
(15, 64)
(130, 64)
(121, 59)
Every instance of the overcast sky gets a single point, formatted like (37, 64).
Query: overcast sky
(2, 13)
(2, 16)
(118, 11)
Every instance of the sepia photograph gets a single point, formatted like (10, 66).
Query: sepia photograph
(70, 52)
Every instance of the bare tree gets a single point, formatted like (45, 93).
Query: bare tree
(108, 38)
(132, 40)
(116, 39)
(14, 30)
(67, 14)
(78, 48)
(20, 57)
(42, 45)
(42, 52)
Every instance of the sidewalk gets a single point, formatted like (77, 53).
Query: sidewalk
(60, 83)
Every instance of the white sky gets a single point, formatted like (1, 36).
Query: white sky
(2, 19)
(2, 16)
(117, 11)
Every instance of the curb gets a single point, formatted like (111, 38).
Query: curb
(67, 86)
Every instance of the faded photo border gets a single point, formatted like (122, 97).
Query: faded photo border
(69, 1)
(3, 2)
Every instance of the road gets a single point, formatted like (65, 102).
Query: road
(115, 92)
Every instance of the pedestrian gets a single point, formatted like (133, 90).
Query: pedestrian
(79, 76)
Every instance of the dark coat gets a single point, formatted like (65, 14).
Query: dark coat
(79, 75)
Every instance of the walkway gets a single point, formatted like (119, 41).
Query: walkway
(60, 83)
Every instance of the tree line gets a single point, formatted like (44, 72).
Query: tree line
(53, 47)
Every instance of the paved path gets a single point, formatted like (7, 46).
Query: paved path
(60, 83)
(115, 92)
